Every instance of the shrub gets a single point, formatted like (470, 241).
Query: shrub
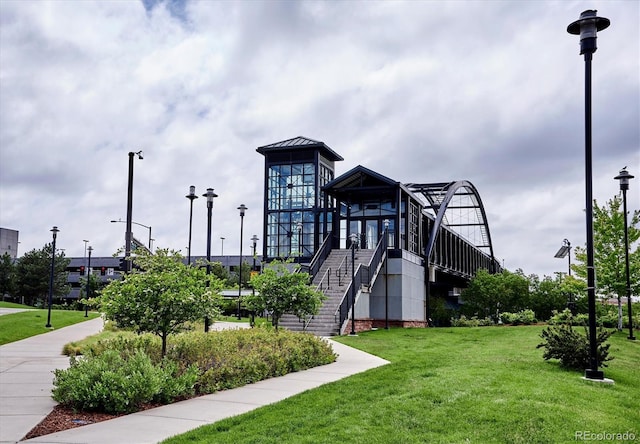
(565, 317)
(462, 321)
(525, 317)
(572, 348)
(112, 383)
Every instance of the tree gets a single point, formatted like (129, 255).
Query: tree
(489, 294)
(609, 252)
(282, 291)
(551, 294)
(33, 273)
(161, 296)
(7, 275)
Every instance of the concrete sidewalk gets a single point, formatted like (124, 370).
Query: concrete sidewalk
(26, 377)
(25, 395)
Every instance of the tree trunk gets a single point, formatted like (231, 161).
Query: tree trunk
(619, 313)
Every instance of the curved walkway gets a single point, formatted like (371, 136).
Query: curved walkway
(26, 381)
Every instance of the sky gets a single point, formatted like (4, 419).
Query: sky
(491, 92)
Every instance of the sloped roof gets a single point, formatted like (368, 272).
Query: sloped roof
(300, 142)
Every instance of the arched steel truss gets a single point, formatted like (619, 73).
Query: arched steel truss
(440, 196)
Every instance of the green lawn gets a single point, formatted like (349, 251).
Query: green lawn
(21, 325)
(449, 385)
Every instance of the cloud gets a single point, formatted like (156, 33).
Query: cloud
(491, 92)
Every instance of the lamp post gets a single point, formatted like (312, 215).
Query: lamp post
(299, 228)
(587, 27)
(191, 196)
(255, 239)
(242, 209)
(136, 223)
(386, 274)
(565, 251)
(353, 237)
(624, 178)
(86, 304)
(209, 195)
(128, 234)
(55, 231)
(255, 243)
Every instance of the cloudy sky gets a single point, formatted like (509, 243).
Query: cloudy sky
(420, 91)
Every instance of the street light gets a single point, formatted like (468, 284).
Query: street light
(624, 178)
(242, 209)
(55, 231)
(86, 304)
(191, 196)
(136, 223)
(353, 237)
(255, 241)
(209, 195)
(128, 234)
(386, 274)
(565, 251)
(587, 27)
(299, 227)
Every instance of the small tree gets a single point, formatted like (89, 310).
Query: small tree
(608, 249)
(282, 291)
(488, 294)
(33, 271)
(162, 296)
(7, 275)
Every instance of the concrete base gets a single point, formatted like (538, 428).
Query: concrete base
(602, 381)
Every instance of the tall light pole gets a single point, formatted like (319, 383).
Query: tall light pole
(128, 234)
(86, 304)
(191, 196)
(624, 178)
(209, 195)
(354, 237)
(55, 231)
(242, 209)
(587, 27)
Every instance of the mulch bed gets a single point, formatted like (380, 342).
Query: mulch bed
(64, 418)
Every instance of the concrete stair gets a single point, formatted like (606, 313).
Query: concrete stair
(334, 277)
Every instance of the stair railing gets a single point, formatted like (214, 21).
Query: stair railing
(325, 282)
(342, 270)
(316, 262)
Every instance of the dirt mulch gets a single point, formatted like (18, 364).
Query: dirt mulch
(64, 418)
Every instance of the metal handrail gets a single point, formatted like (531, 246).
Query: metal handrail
(339, 273)
(327, 274)
(318, 258)
(362, 274)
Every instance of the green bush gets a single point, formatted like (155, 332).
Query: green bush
(572, 348)
(195, 362)
(565, 317)
(525, 317)
(462, 321)
(113, 383)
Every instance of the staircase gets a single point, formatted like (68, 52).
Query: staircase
(333, 278)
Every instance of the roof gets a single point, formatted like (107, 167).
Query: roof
(300, 142)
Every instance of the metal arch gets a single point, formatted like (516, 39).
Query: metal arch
(452, 188)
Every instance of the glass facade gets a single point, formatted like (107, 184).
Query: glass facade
(292, 198)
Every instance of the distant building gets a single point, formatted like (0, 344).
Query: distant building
(9, 242)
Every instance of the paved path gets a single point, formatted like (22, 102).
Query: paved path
(26, 382)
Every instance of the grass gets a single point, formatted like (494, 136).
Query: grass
(24, 324)
(4, 304)
(449, 385)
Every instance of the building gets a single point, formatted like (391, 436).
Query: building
(9, 242)
(392, 247)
